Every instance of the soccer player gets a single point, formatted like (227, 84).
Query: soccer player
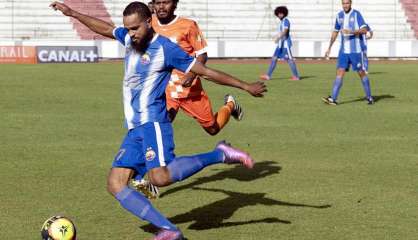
(185, 91)
(284, 45)
(351, 26)
(192, 99)
(148, 146)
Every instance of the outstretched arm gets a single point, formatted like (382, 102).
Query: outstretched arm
(190, 76)
(256, 88)
(96, 25)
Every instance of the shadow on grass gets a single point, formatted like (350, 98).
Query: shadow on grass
(214, 214)
(376, 99)
(260, 170)
(306, 77)
(288, 78)
(376, 73)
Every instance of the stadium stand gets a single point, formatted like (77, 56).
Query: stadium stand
(233, 19)
(411, 10)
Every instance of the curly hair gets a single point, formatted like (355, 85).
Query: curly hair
(281, 9)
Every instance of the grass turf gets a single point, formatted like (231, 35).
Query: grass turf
(322, 172)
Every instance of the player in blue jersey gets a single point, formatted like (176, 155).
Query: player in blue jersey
(148, 147)
(284, 45)
(351, 26)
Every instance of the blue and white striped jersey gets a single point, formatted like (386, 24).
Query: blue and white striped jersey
(285, 41)
(146, 77)
(352, 20)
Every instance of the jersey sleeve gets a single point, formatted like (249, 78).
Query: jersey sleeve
(286, 24)
(360, 21)
(176, 58)
(337, 26)
(120, 34)
(196, 39)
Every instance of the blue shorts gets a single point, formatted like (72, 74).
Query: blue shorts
(354, 59)
(283, 53)
(148, 146)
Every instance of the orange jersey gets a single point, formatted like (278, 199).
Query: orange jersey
(185, 33)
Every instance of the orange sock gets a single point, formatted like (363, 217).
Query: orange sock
(222, 116)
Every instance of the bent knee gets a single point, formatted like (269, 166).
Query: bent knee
(160, 177)
(113, 187)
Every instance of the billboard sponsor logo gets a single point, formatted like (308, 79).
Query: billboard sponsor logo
(17, 54)
(50, 54)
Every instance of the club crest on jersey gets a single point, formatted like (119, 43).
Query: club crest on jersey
(150, 154)
(352, 19)
(145, 59)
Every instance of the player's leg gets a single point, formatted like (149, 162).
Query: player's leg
(291, 61)
(200, 108)
(342, 64)
(230, 108)
(358, 65)
(366, 86)
(128, 160)
(164, 168)
(272, 66)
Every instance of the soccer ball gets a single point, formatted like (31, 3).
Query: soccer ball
(58, 228)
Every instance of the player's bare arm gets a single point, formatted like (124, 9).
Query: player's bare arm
(356, 32)
(190, 76)
(331, 42)
(256, 88)
(96, 25)
(280, 35)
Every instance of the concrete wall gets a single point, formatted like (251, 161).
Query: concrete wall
(247, 49)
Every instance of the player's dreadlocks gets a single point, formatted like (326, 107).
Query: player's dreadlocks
(281, 9)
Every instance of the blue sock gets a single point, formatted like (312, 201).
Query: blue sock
(338, 83)
(141, 207)
(272, 66)
(183, 167)
(366, 86)
(293, 68)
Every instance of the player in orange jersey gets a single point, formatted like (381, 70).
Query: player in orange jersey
(185, 91)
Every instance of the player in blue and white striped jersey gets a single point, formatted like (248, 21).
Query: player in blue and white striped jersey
(351, 26)
(148, 147)
(284, 45)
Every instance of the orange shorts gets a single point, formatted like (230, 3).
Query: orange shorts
(198, 107)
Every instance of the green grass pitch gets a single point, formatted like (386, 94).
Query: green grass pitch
(322, 172)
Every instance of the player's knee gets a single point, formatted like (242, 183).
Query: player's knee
(117, 180)
(114, 186)
(212, 130)
(160, 177)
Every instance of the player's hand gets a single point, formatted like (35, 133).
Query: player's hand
(256, 89)
(188, 79)
(347, 32)
(67, 11)
(327, 53)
